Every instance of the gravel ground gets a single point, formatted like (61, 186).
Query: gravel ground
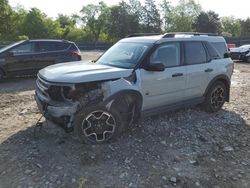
(185, 148)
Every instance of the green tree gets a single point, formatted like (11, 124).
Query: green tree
(94, 18)
(122, 21)
(68, 24)
(135, 9)
(17, 23)
(151, 20)
(207, 22)
(245, 27)
(166, 12)
(34, 24)
(6, 15)
(54, 29)
(231, 25)
(65, 21)
(183, 15)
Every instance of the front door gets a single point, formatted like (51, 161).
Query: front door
(166, 87)
(20, 59)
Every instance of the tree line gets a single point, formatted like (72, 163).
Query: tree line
(100, 22)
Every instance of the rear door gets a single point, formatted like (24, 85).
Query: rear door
(166, 87)
(45, 54)
(196, 61)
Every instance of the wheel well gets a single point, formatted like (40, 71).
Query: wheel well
(123, 103)
(225, 81)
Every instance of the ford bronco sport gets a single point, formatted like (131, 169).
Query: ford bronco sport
(139, 75)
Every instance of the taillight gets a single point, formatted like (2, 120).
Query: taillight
(76, 53)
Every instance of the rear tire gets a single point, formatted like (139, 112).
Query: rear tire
(215, 97)
(96, 124)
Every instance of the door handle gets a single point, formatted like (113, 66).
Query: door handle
(208, 70)
(177, 74)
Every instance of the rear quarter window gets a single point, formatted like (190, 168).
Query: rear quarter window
(220, 47)
(73, 47)
(62, 46)
(212, 51)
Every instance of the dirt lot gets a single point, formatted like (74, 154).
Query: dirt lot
(185, 148)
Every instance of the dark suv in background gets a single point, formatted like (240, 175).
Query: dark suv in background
(27, 57)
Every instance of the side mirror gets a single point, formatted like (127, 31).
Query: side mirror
(226, 55)
(155, 66)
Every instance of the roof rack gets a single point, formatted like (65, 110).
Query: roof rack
(171, 35)
(142, 34)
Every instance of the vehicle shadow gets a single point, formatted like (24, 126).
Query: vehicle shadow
(17, 84)
(62, 161)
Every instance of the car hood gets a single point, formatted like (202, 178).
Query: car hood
(240, 50)
(80, 71)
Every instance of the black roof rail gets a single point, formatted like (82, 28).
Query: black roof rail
(142, 34)
(171, 35)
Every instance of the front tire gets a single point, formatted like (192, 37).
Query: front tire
(215, 97)
(96, 124)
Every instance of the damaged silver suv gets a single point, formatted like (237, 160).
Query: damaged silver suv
(139, 75)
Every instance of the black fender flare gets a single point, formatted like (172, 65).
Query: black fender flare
(130, 92)
(223, 78)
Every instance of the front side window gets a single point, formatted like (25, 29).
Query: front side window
(195, 53)
(124, 54)
(167, 54)
(26, 48)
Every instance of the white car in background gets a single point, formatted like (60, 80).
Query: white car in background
(241, 53)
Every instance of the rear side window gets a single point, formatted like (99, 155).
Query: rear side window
(220, 47)
(212, 51)
(195, 53)
(46, 46)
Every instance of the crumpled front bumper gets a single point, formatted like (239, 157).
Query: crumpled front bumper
(56, 110)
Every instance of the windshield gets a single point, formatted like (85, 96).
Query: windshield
(9, 46)
(124, 54)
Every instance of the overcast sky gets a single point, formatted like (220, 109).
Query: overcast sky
(236, 8)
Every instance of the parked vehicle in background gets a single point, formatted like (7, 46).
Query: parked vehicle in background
(241, 53)
(28, 57)
(231, 45)
(139, 75)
